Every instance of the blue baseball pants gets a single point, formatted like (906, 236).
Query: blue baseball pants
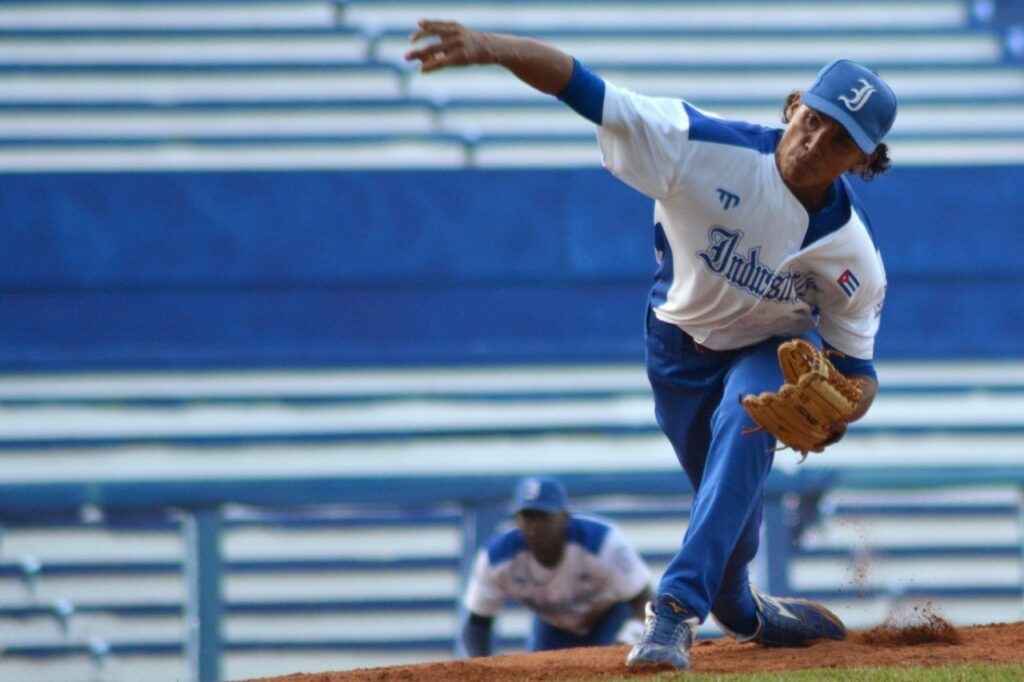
(546, 637)
(696, 398)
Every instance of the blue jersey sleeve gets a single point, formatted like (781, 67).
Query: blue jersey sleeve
(584, 93)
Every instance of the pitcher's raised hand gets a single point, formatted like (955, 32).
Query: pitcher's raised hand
(456, 45)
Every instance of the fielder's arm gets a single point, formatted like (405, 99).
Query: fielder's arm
(476, 635)
(632, 628)
(539, 65)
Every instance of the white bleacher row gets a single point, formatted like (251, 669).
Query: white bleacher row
(263, 47)
(468, 139)
(72, 15)
(387, 83)
(813, 49)
(415, 152)
(206, 385)
(378, 15)
(603, 14)
(421, 117)
(683, 48)
(437, 422)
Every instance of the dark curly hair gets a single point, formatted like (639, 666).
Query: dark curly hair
(879, 165)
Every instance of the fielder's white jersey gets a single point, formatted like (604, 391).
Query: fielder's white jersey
(598, 569)
(740, 259)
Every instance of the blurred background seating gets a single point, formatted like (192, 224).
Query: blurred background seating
(317, 587)
(244, 239)
(162, 85)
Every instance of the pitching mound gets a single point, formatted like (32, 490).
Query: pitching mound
(928, 643)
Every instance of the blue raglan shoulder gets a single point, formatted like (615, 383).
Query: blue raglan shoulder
(587, 532)
(503, 547)
(704, 128)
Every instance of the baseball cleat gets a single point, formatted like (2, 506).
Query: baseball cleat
(793, 622)
(669, 629)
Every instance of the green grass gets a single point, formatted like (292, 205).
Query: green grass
(960, 673)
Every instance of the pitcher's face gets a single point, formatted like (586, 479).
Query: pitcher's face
(815, 150)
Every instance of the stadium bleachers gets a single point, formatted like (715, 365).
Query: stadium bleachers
(344, 587)
(307, 84)
(231, 85)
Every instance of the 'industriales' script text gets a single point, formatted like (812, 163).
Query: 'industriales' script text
(746, 271)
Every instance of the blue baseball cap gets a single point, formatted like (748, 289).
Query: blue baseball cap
(540, 493)
(857, 98)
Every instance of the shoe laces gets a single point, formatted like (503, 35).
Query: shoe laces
(664, 630)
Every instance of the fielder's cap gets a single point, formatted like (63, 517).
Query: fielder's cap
(540, 493)
(857, 98)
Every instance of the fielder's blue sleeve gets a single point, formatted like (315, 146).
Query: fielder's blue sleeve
(851, 366)
(584, 93)
(476, 635)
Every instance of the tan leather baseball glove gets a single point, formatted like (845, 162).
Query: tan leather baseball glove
(815, 397)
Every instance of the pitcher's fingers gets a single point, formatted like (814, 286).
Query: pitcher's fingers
(425, 54)
(421, 54)
(436, 61)
(432, 27)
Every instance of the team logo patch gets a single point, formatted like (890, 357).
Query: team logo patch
(860, 96)
(531, 489)
(676, 607)
(848, 282)
(727, 198)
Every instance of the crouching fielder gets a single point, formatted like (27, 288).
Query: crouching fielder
(583, 581)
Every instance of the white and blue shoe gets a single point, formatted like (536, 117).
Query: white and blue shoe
(790, 622)
(669, 630)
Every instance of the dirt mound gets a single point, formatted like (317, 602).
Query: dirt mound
(928, 642)
(922, 625)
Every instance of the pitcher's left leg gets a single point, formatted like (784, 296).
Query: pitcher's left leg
(742, 611)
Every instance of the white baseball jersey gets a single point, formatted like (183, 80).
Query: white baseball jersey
(599, 568)
(740, 259)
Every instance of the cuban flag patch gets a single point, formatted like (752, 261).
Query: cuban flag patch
(848, 282)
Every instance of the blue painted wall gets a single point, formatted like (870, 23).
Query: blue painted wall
(316, 268)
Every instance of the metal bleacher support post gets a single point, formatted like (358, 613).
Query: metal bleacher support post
(204, 606)
(783, 522)
(778, 541)
(479, 522)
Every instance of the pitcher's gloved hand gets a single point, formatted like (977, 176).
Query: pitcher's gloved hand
(812, 408)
